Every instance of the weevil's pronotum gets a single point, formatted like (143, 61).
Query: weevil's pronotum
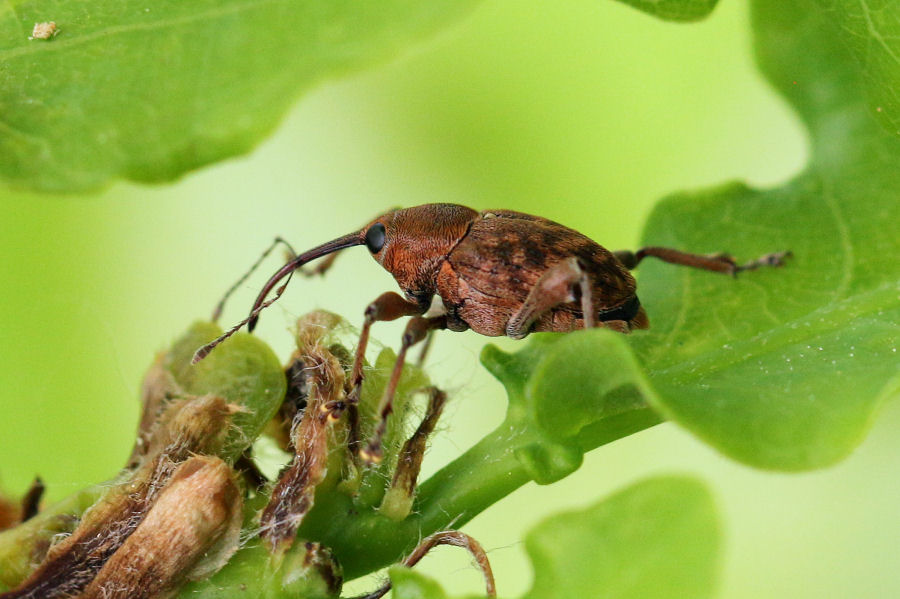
(496, 272)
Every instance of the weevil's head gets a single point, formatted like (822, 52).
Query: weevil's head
(412, 243)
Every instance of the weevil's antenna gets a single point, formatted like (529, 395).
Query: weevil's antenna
(357, 238)
(221, 305)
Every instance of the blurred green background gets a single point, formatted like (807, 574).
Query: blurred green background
(586, 113)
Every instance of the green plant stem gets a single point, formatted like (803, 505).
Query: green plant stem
(467, 486)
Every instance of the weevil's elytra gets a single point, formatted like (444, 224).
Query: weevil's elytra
(489, 275)
(496, 272)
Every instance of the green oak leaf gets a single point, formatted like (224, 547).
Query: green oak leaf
(150, 91)
(406, 583)
(870, 29)
(785, 368)
(657, 538)
(675, 10)
(778, 368)
(243, 370)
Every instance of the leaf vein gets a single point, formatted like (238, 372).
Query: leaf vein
(843, 237)
(876, 35)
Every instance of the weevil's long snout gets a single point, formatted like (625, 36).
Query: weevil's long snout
(357, 238)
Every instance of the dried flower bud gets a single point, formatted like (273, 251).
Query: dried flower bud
(186, 427)
(157, 389)
(189, 533)
(191, 425)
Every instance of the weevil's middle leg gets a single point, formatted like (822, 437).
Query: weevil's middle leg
(416, 330)
(722, 263)
(426, 347)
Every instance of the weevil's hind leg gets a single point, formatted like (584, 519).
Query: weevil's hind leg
(722, 263)
(398, 499)
(556, 286)
(416, 330)
(775, 259)
(446, 537)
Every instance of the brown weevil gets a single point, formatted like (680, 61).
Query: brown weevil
(496, 272)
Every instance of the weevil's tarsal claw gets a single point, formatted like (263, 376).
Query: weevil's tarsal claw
(775, 259)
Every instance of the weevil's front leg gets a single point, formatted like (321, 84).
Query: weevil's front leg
(388, 306)
(416, 330)
(555, 287)
(722, 263)
(446, 537)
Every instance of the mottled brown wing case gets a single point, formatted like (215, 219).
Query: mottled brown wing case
(505, 253)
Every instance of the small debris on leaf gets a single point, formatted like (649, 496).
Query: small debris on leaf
(44, 31)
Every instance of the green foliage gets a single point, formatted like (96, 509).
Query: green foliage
(675, 10)
(782, 369)
(243, 370)
(657, 538)
(785, 368)
(182, 85)
(870, 29)
(150, 91)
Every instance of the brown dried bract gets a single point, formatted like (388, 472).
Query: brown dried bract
(157, 389)
(13, 513)
(398, 499)
(186, 427)
(293, 495)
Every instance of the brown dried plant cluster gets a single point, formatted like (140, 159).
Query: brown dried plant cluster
(174, 515)
(177, 511)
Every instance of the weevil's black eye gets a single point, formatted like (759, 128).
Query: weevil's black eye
(375, 238)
